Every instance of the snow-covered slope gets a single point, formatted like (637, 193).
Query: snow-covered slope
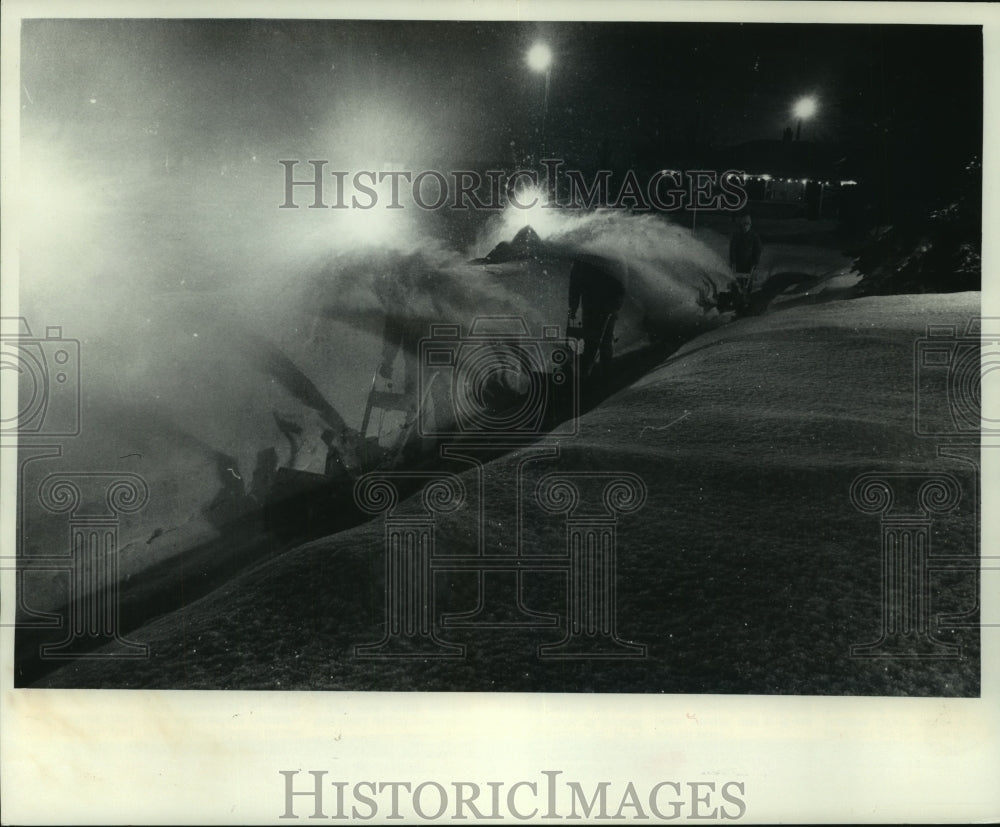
(747, 569)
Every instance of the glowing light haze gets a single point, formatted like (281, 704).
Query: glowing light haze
(805, 107)
(540, 57)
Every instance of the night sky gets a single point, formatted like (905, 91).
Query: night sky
(423, 93)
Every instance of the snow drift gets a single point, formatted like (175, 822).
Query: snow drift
(746, 570)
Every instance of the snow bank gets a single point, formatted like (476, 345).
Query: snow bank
(746, 570)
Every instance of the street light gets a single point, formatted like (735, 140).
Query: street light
(540, 57)
(540, 60)
(804, 109)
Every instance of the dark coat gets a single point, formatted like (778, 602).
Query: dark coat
(744, 251)
(598, 291)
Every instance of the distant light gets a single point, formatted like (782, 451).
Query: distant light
(539, 57)
(535, 211)
(805, 107)
(766, 177)
(848, 183)
(805, 180)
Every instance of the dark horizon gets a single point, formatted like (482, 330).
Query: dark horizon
(424, 92)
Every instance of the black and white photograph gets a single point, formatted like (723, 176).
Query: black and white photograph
(532, 358)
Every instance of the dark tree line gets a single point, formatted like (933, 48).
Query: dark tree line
(935, 251)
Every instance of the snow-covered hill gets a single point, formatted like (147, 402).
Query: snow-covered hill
(747, 569)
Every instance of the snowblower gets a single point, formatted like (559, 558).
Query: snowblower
(391, 407)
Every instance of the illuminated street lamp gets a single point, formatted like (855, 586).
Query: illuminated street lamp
(803, 110)
(540, 60)
(540, 57)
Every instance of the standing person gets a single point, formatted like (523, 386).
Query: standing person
(744, 256)
(602, 296)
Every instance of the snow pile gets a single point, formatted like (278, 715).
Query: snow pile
(747, 569)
